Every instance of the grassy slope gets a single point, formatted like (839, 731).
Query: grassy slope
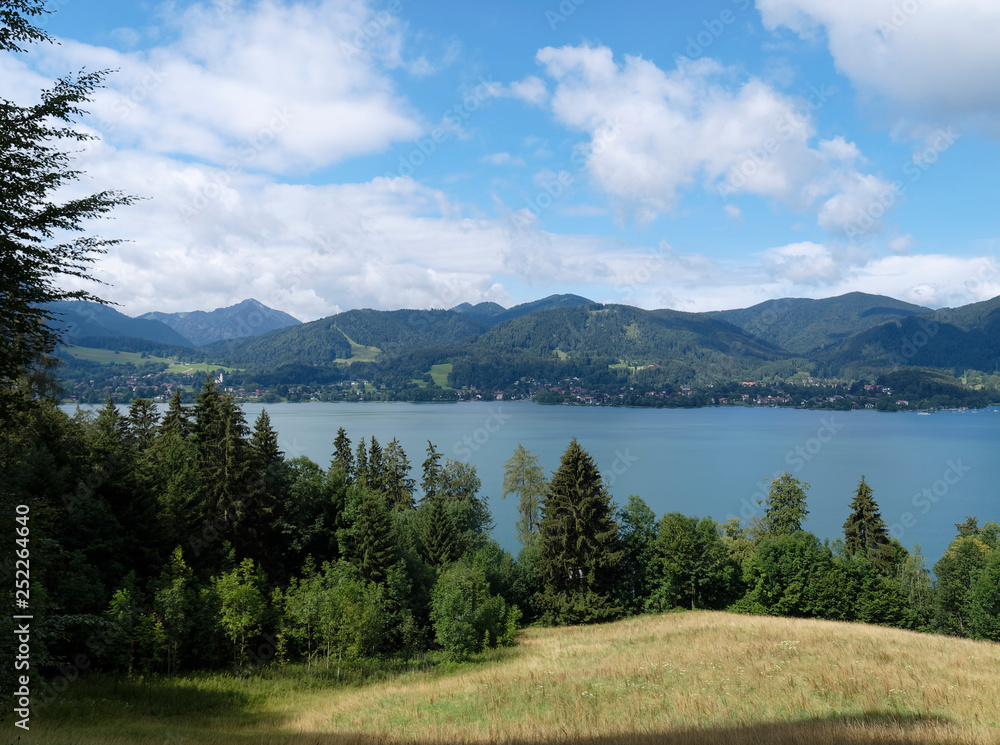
(696, 677)
(110, 357)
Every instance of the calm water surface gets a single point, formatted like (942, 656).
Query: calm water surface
(927, 472)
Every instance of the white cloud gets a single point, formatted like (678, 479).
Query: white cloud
(502, 159)
(276, 87)
(930, 59)
(655, 133)
(531, 90)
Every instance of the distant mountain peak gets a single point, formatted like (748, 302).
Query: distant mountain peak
(249, 317)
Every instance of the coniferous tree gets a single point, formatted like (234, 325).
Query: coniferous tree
(438, 535)
(142, 420)
(525, 478)
(343, 458)
(361, 467)
(39, 210)
(865, 531)
(176, 419)
(399, 485)
(431, 481)
(375, 475)
(260, 516)
(580, 551)
(785, 507)
(374, 550)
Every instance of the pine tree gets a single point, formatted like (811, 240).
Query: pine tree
(580, 552)
(524, 477)
(343, 458)
(864, 530)
(785, 506)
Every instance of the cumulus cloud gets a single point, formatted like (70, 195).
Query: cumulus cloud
(277, 87)
(654, 133)
(929, 59)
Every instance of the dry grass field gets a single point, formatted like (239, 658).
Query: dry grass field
(698, 677)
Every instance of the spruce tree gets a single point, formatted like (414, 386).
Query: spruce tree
(438, 534)
(343, 458)
(580, 553)
(259, 518)
(361, 467)
(376, 467)
(399, 485)
(176, 419)
(785, 507)
(374, 550)
(865, 531)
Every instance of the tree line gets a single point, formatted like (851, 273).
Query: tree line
(187, 540)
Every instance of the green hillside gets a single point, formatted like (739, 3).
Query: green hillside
(803, 326)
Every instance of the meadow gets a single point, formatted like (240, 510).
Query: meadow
(691, 677)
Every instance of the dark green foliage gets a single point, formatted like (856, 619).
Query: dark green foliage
(865, 531)
(438, 535)
(38, 248)
(915, 583)
(802, 325)
(690, 565)
(984, 600)
(791, 575)
(398, 484)
(374, 550)
(466, 617)
(581, 555)
(343, 458)
(637, 530)
(958, 572)
(785, 506)
(430, 483)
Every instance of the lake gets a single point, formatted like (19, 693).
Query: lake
(926, 472)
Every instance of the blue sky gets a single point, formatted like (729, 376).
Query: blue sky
(322, 156)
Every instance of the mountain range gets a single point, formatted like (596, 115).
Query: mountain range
(92, 324)
(854, 336)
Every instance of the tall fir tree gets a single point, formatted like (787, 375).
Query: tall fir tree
(785, 506)
(260, 518)
(374, 550)
(865, 531)
(361, 464)
(343, 458)
(525, 478)
(176, 419)
(580, 553)
(431, 481)
(399, 485)
(438, 534)
(375, 477)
